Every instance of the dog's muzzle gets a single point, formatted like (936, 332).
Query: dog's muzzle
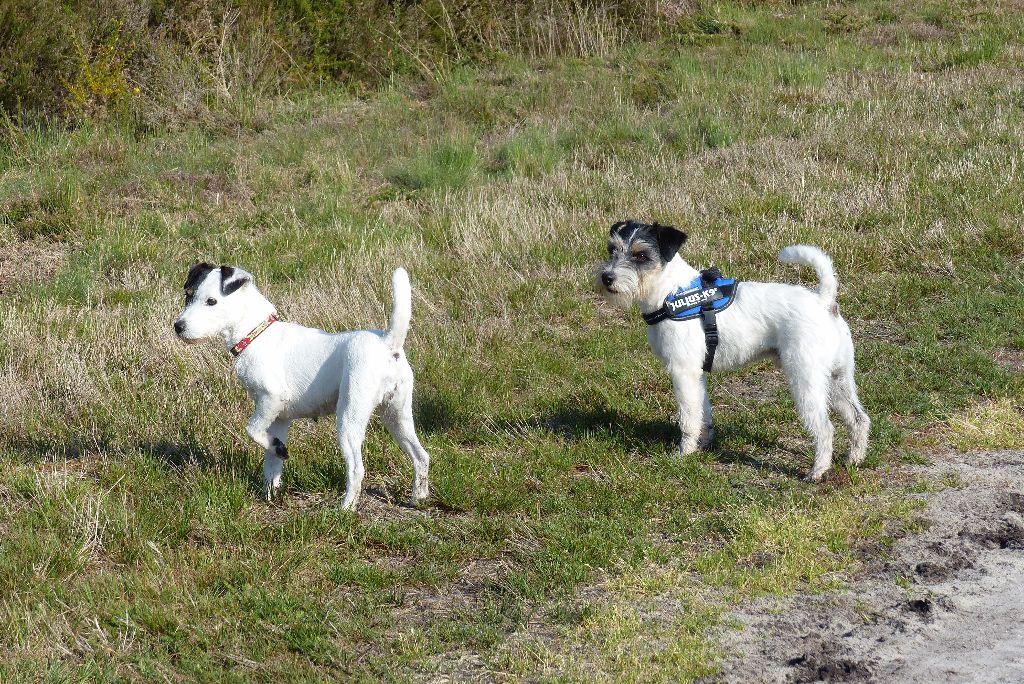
(607, 279)
(179, 328)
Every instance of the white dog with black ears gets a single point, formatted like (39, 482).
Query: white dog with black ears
(699, 321)
(292, 372)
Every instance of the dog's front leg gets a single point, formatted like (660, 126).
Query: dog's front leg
(273, 461)
(266, 430)
(688, 385)
(707, 432)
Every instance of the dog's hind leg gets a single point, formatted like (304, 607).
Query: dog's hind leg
(273, 463)
(810, 395)
(397, 416)
(845, 402)
(356, 404)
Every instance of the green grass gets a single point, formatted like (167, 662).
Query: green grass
(451, 165)
(565, 539)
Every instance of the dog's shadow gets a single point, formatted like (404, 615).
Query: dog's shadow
(172, 456)
(760, 453)
(434, 413)
(635, 433)
(189, 454)
(36, 451)
(574, 422)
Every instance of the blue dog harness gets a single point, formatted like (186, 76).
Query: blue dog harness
(703, 297)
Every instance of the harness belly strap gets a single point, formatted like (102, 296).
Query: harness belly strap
(703, 298)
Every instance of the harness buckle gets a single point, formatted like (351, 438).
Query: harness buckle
(710, 275)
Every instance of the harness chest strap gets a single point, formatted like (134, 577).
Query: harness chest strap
(703, 298)
(253, 334)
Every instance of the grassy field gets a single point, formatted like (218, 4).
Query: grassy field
(565, 539)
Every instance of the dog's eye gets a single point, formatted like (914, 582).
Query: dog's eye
(641, 258)
(611, 248)
(211, 301)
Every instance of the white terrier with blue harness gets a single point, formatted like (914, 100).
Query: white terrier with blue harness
(700, 322)
(292, 371)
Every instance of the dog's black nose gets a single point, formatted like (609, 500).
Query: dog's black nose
(179, 327)
(607, 279)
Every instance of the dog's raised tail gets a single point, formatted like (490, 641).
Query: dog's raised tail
(401, 310)
(807, 255)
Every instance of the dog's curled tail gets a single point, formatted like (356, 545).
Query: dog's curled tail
(806, 255)
(401, 310)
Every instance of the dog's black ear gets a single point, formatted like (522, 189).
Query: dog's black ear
(196, 275)
(231, 279)
(669, 240)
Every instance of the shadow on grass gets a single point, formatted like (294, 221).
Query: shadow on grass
(636, 433)
(179, 455)
(32, 450)
(763, 453)
(578, 422)
(433, 413)
(172, 456)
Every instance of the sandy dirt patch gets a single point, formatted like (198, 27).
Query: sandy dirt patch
(945, 605)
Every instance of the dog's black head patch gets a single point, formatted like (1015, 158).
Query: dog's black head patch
(196, 274)
(634, 234)
(625, 230)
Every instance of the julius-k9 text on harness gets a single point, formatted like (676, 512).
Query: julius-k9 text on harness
(703, 297)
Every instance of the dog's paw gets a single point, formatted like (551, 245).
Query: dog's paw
(280, 450)
(271, 490)
(814, 476)
(688, 445)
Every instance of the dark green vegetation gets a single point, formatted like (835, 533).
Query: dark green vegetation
(172, 62)
(565, 540)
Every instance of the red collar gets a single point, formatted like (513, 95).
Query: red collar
(253, 334)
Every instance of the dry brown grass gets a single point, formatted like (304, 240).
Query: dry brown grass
(30, 261)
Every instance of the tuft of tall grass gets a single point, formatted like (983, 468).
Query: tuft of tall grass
(530, 154)
(449, 165)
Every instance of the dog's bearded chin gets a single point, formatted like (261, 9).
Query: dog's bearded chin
(618, 298)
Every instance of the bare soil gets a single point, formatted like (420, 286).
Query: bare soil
(945, 605)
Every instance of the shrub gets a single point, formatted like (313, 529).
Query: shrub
(175, 60)
(34, 38)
